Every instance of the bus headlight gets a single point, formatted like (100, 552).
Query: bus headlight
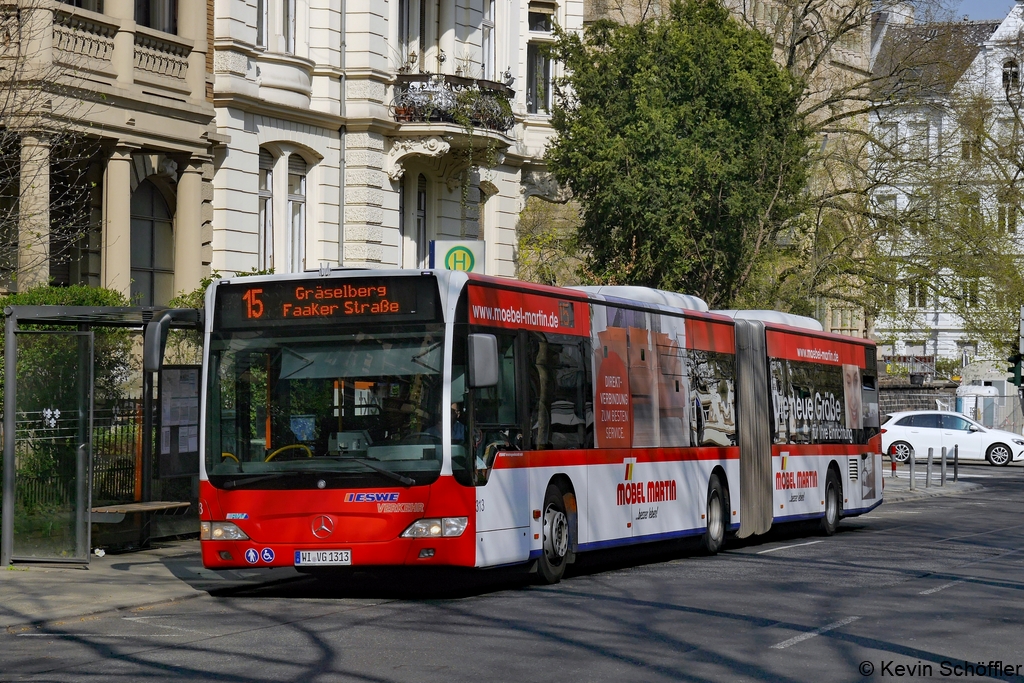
(453, 526)
(434, 527)
(221, 531)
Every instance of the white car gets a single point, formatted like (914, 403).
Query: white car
(924, 429)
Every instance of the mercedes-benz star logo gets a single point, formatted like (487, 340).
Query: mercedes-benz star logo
(323, 526)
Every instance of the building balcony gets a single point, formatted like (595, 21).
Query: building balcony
(285, 80)
(78, 51)
(468, 103)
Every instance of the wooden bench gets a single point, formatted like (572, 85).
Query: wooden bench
(112, 514)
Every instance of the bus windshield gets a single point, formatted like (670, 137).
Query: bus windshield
(339, 408)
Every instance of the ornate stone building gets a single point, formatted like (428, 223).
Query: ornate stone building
(157, 141)
(362, 131)
(107, 139)
(949, 162)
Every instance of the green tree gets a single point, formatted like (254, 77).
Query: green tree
(112, 352)
(547, 251)
(681, 139)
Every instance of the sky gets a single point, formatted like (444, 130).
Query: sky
(985, 9)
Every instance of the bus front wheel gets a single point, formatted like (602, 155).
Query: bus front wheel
(551, 565)
(714, 535)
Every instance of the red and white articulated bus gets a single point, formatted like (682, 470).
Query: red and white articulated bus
(424, 418)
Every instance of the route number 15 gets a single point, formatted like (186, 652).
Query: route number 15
(253, 303)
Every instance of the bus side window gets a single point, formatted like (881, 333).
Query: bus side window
(461, 469)
(869, 401)
(561, 408)
(712, 398)
(497, 405)
(671, 373)
(869, 404)
(781, 405)
(493, 425)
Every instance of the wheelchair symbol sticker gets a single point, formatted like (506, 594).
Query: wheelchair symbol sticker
(267, 555)
(251, 556)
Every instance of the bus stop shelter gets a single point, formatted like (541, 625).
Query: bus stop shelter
(80, 420)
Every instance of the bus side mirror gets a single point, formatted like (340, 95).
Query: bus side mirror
(483, 361)
(154, 343)
(155, 339)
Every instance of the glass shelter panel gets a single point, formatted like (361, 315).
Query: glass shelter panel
(52, 445)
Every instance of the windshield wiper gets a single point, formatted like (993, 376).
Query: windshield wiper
(235, 483)
(401, 478)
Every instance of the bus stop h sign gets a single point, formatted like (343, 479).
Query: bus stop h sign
(464, 255)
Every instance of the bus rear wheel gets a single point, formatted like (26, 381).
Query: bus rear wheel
(555, 549)
(833, 503)
(714, 535)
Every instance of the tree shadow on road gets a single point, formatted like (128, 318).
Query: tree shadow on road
(452, 583)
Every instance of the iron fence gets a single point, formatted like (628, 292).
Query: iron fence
(117, 441)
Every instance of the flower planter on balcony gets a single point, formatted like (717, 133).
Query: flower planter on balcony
(451, 99)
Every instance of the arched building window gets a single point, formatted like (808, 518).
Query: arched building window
(281, 222)
(421, 222)
(152, 247)
(297, 212)
(1011, 75)
(266, 218)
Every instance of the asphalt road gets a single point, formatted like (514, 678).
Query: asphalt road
(927, 585)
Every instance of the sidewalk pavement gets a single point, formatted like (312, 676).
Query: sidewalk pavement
(40, 593)
(898, 489)
(32, 594)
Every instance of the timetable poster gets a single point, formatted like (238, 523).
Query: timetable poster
(179, 421)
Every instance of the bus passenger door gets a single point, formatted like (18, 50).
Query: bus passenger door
(499, 465)
(502, 511)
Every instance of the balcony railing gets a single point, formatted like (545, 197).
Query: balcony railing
(84, 42)
(161, 59)
(428, 98)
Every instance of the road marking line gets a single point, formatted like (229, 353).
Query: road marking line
(173, 628)
(816, 632)
(100, 635)
(940, 588)
(980, 533)
(785, 547)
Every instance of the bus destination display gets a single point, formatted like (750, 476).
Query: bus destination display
(326, 301)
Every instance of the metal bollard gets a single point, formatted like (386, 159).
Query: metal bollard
(956, 463)
(942, 468)
(928, 469)
(912, 459)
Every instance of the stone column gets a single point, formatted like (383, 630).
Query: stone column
(123, 58)
(363, 213)
(37, 42)
(117, 221)
(192, 25)
(188, 227)
(446, 35)
(34, 212)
